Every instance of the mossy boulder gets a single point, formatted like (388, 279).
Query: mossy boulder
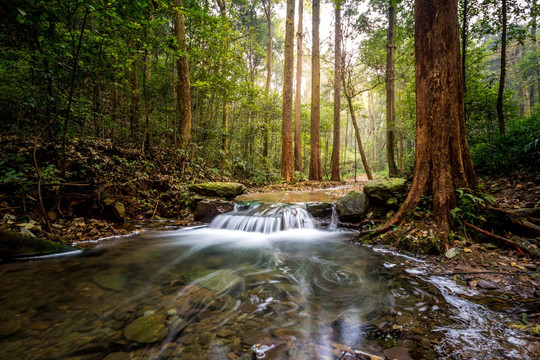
(351, 207)
(383, 191)
(14, 245)
(110, 281)
(228, 190)
(146, 329)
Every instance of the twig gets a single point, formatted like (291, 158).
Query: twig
(155, 209)
(481, 272)
(496, 237)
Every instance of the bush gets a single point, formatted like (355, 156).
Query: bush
(518, 148)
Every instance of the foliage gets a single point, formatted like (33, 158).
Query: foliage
(518, 148)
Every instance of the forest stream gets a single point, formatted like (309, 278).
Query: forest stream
(265, 281)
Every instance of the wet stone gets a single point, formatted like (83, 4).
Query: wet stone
(117, 356)
(110, 282)
(224, 333)
(146, 330)
(397, 353)
(488, 285)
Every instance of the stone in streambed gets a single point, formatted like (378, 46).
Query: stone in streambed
(319, 209)
(397, 353)
(110, 282)
(119, 210)
(146, 330)
(208, 209)
(228, 190)
(351, 207)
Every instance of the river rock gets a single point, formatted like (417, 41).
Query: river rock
(209, 209)
(119, 210)
(319, 209)
(146, 330)
(271, 351)
(228, 190)
(117, 356)
(383, 191)
(351, 207)
(110, 281)
(397, 353)
(15, 245)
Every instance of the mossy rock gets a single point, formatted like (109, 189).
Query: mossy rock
(228, 190)
(146, 329)
(110, 281)
(15, 246)
(383, 191)
(351, 207)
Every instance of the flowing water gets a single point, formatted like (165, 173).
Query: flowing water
(276, 287)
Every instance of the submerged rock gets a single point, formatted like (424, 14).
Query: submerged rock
(228, 190)
(146, 330)
(351, 207)
(110, 282)
(209, 209)
(397, 353)
(383, 191)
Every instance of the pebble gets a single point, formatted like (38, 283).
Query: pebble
(488, 285)
(148, 313)
(224, 333)
(172, 312)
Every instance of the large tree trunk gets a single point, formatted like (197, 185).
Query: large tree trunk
(268, 77)
(464, 33)
(298, 93)
(315, 170)
(443, 161)
(500, 95)
(335, 176)
(390, 93)
(184, 87)
(287, 158)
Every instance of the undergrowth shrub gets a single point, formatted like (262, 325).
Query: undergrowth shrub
(518, 148)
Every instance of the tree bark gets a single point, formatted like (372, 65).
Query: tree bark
(500, 95)
(268, 77)
(390, 93)
(373, 122)
(298, 93)
(443, 161)
(183, 91)
(287, 157)
(315, 170)
(335, 176)
(464, 33)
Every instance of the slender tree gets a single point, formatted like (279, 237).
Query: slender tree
(315, 169)
(502, 79)
(268, 11)
(184, 87)
(287, 158)
(298, 93)
(390, 91)
(335, 176)
(443, 161)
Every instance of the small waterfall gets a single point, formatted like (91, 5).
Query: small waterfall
(334, 221)
(265, 219)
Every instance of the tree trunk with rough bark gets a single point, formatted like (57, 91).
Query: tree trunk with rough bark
(287, 157)
(315, 169)
(443, 161)
(335, 176)
(390, 93)
(298, 94)
(184, 87)
(500, 95)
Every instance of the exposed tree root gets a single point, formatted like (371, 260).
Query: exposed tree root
(517, 220)
(522, 245)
